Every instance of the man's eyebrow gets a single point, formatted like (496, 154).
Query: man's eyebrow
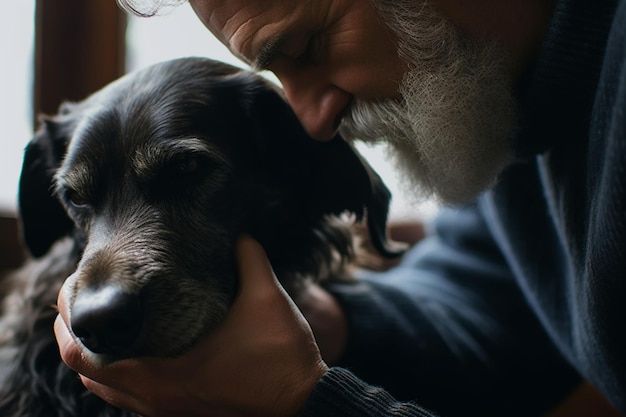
(267, 53)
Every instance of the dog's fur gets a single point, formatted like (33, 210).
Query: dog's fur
(142, 190)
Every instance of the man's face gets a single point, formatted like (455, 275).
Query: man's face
(324, 52)
(440, 100)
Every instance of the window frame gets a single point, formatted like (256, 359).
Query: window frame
(79, 48)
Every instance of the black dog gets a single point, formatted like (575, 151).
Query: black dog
(141, 191)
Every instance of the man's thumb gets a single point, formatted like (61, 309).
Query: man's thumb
(255, 272)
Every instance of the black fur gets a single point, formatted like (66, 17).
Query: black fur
(145, 186)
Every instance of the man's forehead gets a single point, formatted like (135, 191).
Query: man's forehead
(245, 25)
(214, 14)
(224, 14)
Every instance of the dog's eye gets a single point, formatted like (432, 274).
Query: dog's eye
(188, 167)
(192, 167)
(181, 173)
(75, 198)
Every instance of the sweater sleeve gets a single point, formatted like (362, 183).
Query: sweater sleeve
(447, 329)
(340, 393)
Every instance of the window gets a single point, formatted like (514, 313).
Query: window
(16, 85)
(178, 33)
(51, 51)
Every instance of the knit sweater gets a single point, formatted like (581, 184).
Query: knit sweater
(511, 300)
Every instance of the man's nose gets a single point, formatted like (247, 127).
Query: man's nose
(317, 103)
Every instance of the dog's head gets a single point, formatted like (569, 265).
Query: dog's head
(158, 173)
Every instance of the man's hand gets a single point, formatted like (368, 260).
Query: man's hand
(262, 360)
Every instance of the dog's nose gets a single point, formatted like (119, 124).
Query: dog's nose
(106, 320)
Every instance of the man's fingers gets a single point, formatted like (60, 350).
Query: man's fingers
(114, 397)
(70, 352)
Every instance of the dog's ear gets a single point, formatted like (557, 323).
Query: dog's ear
(344, 181)
(43, 219)
(332, 176)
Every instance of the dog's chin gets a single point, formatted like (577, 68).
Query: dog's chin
(99, 360)
(96, 360)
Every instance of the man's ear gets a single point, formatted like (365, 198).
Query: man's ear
(43, 218)
(332, 177)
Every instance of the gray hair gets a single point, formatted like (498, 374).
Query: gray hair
(147, 8)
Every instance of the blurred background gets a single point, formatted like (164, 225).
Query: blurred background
(54, 50)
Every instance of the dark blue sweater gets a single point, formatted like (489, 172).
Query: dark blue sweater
(515, 298)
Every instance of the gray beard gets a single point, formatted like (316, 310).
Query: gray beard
(451, 133)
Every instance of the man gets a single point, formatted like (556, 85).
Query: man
(512, 298)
